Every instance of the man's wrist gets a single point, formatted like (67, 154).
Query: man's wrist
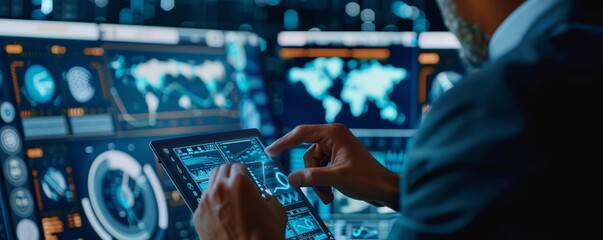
(390, 189)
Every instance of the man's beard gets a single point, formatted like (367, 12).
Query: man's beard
(474, 41)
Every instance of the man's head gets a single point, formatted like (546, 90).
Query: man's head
(474, 22)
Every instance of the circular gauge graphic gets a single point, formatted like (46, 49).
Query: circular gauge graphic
(15, 171)
(10, 141)
(126, 198)
(27, 229)
(39, 84)
(7, 112)
(21, 202)
(80, 85)
(54, 185)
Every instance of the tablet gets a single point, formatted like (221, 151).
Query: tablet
(189, 161)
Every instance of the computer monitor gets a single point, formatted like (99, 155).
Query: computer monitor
(80, 104)
(364, 80)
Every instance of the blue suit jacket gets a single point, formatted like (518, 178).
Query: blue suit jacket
(511, 151)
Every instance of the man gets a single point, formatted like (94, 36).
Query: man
(506, 154)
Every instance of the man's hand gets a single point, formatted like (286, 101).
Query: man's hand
(337, 159)
(232, 208)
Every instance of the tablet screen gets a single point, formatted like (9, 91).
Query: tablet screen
(191, 159)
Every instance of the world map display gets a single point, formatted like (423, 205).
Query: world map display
(167, 85)
(365, 83)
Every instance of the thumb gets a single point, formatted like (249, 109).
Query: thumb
(310, 177)
(272, 201)
(276, 207)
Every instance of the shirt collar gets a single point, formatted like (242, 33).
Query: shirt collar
(514, 28)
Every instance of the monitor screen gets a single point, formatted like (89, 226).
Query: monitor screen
(364, 80)
(80, 104)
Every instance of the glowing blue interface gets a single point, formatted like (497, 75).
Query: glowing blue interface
(200, 159)
(78, 108)
(365, 83)
(338, 77)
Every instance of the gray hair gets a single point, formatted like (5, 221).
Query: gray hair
(474, 40)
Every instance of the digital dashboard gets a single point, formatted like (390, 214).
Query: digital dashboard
(80, 103)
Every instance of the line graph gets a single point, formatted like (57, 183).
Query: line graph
(246, 151)
(301, 221)
(271, 180)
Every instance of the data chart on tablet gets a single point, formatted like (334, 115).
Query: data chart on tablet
(200, 159)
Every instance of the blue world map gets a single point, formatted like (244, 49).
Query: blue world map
(365, 83)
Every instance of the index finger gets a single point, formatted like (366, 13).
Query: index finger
(300, 134)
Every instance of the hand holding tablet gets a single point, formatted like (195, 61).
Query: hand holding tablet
(189, 161)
